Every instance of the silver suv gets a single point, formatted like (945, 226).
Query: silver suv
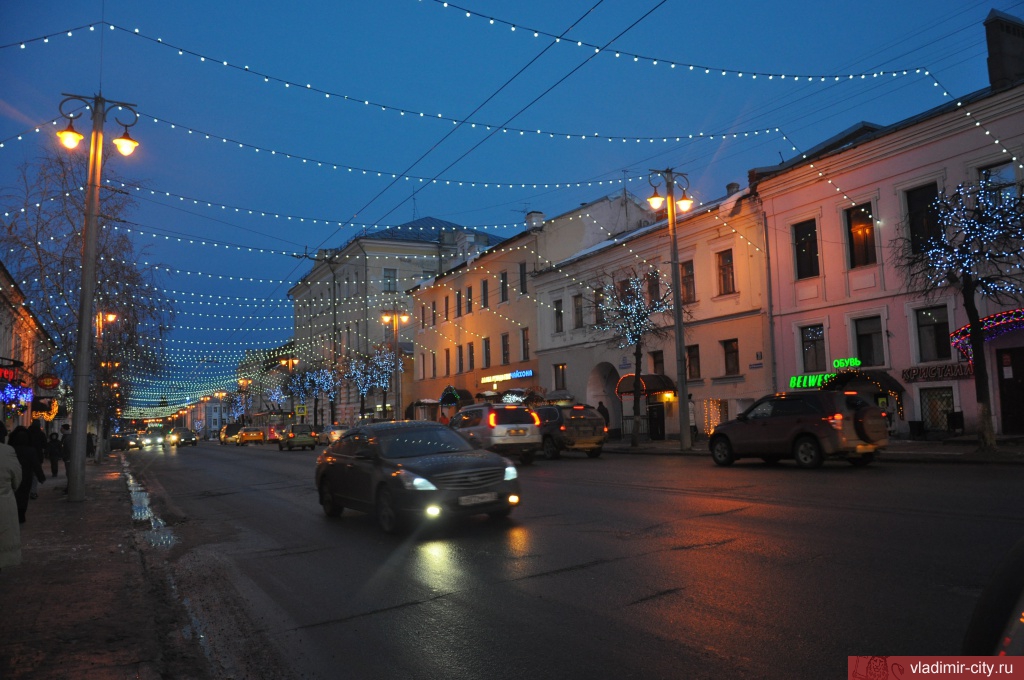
(501, 428)
(806, 426)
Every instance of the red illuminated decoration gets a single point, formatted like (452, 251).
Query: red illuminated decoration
(47, 381)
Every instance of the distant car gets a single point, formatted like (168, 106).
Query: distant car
(807, 426)
(249, 434)
(330, 433)
(182, 436)
(578, 427)
(412, 471)
(125, 442)
(152, 437)
(229, 434)
(502, 428)
(296, 436)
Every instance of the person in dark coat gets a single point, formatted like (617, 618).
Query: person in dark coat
(3, 432)
(603, 410)
(55, 451)
(35, 430)
(21, 441)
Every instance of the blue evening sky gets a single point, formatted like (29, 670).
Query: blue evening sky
(335, 156)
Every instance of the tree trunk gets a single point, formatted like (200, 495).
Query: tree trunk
(986, 434)
(638, 355)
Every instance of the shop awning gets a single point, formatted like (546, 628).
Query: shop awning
(650, 383)
(453, 396)
(880, 379)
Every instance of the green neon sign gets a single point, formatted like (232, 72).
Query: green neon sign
(815, 381)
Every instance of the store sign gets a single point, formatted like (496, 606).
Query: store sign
(943, 372)
(47, 381)
(815, 380)
(9, 374)
(528, 373)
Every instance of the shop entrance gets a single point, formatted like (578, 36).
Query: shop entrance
(1010, 372)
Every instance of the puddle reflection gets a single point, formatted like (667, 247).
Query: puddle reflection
(159, 535)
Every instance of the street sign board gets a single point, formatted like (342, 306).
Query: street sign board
(300, 410)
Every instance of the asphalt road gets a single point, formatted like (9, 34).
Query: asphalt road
(621, 567)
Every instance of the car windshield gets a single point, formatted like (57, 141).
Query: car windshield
(513, 416)
(302, 429)
(409, 443)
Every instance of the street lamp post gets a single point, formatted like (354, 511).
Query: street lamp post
(243, 385)
(393, 316)
(220, 394)
(290, 363)
(684, 204)
(70, 138)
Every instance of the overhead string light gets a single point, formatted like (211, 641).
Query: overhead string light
(68, 33)
(685, 66)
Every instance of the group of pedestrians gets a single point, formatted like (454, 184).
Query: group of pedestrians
(22, 454)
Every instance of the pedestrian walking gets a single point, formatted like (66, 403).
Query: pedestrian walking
(55, 451)
(693, 418)
(90, 445)
(38, 437)
(10, 531)
(3, 432)
(21, 441)
(603, 410)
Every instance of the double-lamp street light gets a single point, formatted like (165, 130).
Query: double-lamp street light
(683, 205)
(393, 317)
(69, 137)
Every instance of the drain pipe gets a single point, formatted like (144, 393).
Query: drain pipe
(768, 292)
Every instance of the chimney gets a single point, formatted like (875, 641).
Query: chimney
(534, 219)
(1005, 37)
(731, 188)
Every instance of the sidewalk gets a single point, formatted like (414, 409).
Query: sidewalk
(962, 449)
(85, 601)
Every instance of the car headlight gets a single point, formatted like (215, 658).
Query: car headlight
(414, 482)
(510, 470)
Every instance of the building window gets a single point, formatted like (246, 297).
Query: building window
(693, 362)
(522, 277)
(433, 313)
(686, 282)
(731, 349)
(525, 333)
(470, 356)
(445, 307)
(1000, 182)
(577, 311)
(469, 299)
(458, 303)
(484, 302)
(503, 286)
(390, 280)
(812, 348)
(653, 285)
(423, 365)
(559, 376)
(936, 402)
(459, 367)
(805, 240)
(870, 350)
(433, 364)
(922, 217)
(504, 348)
(447, 361)
(726, 279)
(487, 352)
(558, 316)
(860, 234)
(423, 316)
(933, 333)
(599, 305)
(657, 362)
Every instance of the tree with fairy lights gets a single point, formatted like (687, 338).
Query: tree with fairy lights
(973, 248)
(360, 372)
(323, 381)
(628, 311)
(384, 361)
(301, 387)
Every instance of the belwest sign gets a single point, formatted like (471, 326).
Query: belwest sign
(797, 382)
(942, 372)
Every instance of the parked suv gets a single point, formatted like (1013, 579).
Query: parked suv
(297, 436)
(501, 428)
(806, 426)
(229, 433)
(578, 427)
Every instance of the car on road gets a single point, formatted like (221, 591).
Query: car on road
(330, 433)
(182, 436)
(501, 428)
(229, 434)
(249, 434)
(577, 427)
(125, 442)
(296, 436)
(807, 426)
(413, 471)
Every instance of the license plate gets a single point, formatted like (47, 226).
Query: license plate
(478, 498)
(517, 433)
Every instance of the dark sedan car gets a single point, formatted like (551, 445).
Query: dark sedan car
(413, 471)
(125, 442)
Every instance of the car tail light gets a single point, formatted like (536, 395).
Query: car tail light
(606, 428)
(562, 428)
(492, 419)
(291, 434)
(536, 418)
(578, 407)
(836, 421)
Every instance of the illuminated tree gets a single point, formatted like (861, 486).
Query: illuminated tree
(976, 250)
(360, 372)
(627, 311)
(383, 364)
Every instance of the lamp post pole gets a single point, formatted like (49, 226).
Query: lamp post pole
(99, 107)
(682, 401)
(393, 316)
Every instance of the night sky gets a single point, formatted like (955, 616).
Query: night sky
(342, 101)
